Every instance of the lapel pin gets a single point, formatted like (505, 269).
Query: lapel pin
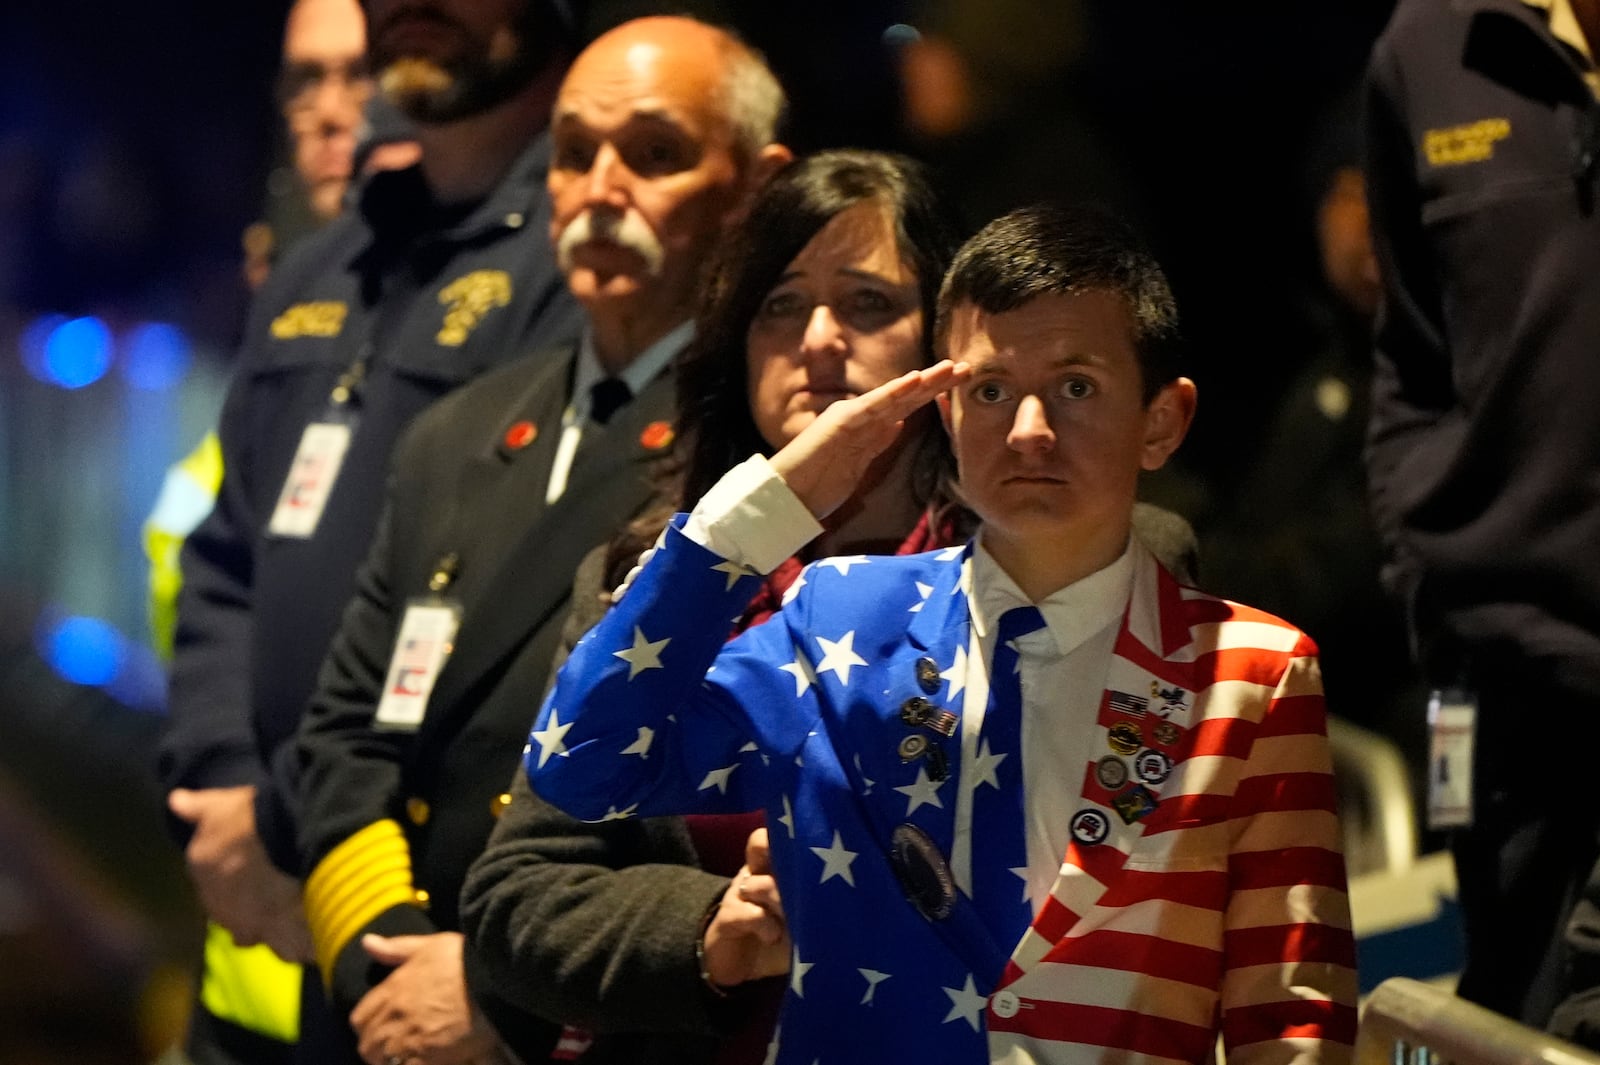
(919, 711)
(928, 678)
(1090, 826)
(657, 435)
(923, 873)
(1124, 737)
(1134, 804)
(520, 435)
(1153, 767)
(1111, 772)
(1128, 703)
(1166, 733)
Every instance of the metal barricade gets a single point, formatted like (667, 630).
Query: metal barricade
(1375, 804)
(1406, 1022)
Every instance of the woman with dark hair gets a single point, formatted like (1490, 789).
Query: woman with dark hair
(779, 338)
(633, 928)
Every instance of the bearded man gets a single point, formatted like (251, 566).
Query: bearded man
(437, 273)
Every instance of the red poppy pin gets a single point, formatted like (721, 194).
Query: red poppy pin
(520, 435)
(657, 435)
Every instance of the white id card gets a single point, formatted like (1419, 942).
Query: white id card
(310, 482)
(1452, 720)
(427, 636)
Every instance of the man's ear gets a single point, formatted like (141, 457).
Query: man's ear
(942, 400)
(1166, 422)
(767, 162)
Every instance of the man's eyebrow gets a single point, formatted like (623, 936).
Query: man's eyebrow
(1078, 358)
(650, 116)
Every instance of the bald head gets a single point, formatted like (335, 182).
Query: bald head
(727, 71)
(661, 129)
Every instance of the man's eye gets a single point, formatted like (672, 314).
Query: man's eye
(1078, 388)
(655, 157)
(578, 157)
(989, 392)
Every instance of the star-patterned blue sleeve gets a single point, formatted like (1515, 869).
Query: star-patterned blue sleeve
(654, 713)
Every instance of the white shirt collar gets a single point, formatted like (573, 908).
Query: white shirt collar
(636, 375)
(1071, 614)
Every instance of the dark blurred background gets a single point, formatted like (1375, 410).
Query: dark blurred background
(138, 141)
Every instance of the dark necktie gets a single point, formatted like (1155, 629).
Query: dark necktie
(999, 825)
(605, 397)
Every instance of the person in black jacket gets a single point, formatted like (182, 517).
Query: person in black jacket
(662, 129)
(1484, 445)
(439, 272)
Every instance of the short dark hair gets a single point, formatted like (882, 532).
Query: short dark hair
(1047, 249)
(715, 422)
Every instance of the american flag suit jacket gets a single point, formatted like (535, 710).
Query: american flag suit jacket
(1222, 910)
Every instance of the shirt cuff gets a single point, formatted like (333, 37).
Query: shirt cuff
(751, 517)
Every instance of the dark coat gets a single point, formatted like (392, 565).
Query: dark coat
(461, 486)
(621, 958)
(1484, 451)
(415, 293)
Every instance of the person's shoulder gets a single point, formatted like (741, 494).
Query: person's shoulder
(499, 395)
(325, 248)
(1434, 26)
(1219, 624)
(869, 583)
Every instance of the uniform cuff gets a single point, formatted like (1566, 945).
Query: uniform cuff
(364, 876)
(752, 517)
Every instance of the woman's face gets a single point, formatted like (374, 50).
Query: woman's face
(844, 318)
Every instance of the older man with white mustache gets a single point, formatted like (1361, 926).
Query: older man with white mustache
(661, 130)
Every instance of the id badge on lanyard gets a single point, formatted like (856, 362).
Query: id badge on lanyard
(317, 461)
(421, 648)
(1452, 724)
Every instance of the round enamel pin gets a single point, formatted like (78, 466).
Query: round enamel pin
(1111, 772)
(657, 435)
(1124, 737)
(1090, 826)
(1152, 766)
(521, 434)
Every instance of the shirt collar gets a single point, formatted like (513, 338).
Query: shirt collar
(1563, 24)
(1071, 614)
(636, 375)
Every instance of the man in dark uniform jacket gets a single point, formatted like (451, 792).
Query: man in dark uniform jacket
(1484, 448)
(438, 273)
(661, 130)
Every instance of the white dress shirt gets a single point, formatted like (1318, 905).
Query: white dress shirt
(588, 373)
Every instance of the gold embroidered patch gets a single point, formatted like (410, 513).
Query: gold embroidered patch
(323, 318)
(1470, 143)
(469, 298)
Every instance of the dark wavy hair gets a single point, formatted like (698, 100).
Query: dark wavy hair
(716, 429)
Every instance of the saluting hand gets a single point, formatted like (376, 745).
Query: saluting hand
(823, 465)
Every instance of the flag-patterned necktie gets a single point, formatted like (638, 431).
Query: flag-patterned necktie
(999, 827)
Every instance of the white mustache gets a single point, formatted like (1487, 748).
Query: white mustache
(626, 230)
